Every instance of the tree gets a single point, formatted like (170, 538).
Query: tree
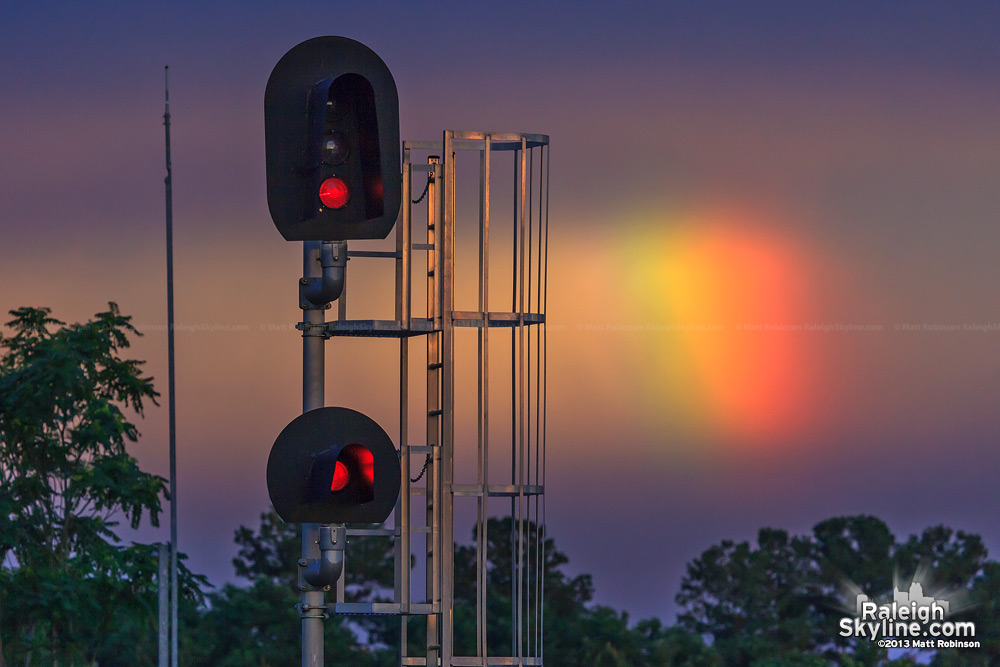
(754, 603)
(259, 624)
(576, 632)
(65, 476)
(270, 552)
(779, 602)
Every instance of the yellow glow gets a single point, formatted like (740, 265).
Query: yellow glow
(723, 304)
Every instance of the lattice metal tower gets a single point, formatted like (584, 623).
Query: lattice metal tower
(476, 454)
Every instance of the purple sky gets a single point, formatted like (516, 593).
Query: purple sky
(853, 146)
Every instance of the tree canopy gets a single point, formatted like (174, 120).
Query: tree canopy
(66, 478)
(779, 601)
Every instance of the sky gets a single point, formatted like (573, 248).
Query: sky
(772, 246)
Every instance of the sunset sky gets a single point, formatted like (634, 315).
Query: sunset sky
(773, 282)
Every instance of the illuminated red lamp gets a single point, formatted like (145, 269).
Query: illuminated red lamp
(333, 193)
(340, 477)
(354, 473)
(359, 477)
(367, 461)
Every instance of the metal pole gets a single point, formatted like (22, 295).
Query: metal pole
(521, 410)
(162, 577)
(433, 507)
(168, 181)
(446, 475)
(484, 383)
(312, 397)
(402, 514)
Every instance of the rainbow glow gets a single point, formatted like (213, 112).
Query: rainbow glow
(725, 302)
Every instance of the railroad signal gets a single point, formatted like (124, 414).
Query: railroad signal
(333, 465)
(347, 471)
(331, 134)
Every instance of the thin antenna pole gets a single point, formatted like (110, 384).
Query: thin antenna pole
(163, 610)
(168, 181)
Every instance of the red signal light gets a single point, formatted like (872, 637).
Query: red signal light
(333, 193)
(358, 478)
(361, 460)
(340, 477)
(367, 461)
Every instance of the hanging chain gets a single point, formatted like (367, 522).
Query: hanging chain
(426, 188)
(426, 461)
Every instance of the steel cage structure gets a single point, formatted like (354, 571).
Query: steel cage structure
(502, 460)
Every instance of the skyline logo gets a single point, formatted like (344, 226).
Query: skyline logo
(910, 620)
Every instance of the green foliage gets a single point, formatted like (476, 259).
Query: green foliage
(750, 599)
(577, 632)
(779, 603)
(65, 475)
(269, 553)
(772, 604)
(130, 637)
(982, 608)
(260, 625)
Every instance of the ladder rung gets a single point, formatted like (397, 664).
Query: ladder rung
(435, 413)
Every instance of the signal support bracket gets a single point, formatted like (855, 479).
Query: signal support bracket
(323, 572)
(316, 293)
(313, 611)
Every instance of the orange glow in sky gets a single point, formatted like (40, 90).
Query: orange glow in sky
(728, 302)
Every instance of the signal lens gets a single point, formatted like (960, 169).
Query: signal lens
(333, 193)
(376, 187)
(340, 477)
(335, 148)
(367, 460)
